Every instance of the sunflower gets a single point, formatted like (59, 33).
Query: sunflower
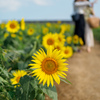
(49, 40)
(38, 36)
(48, 67)
(13, 35)
(67, 52)
(68, 27)
(59, 22)
(21, 33)
(6, 35)
(22, 24)
(75, 39)
(56, 25)
(12, 26)
(61, 38)
(48, 24)
(58, 46)
(20, 38)
(3, 25)
(81, 41)
(69, 39)
(63, 28)
(45, 30)
(30, 31)
(17, 75)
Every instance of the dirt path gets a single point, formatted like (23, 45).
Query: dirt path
(84, 74)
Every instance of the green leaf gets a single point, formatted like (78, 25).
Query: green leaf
(18, 93)
(4, 72)
(20, 65)
(32, 95)
(27, 87)
(50, 91)
(40, 96)
(34, 84)
(66, 81)
(24, 81)
(2, 80)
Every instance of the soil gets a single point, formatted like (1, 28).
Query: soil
(84, 74)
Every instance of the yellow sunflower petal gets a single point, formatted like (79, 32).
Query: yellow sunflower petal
(56, 78)
(45, 79)
(51, 80)
(48, 80)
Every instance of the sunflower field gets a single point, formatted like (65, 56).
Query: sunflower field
(33, 58)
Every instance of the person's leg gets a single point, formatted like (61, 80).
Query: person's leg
(77, 28)
(82, 28)
(88, 49)
(88, 37)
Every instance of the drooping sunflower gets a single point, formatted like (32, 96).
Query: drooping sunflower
(30, 31)
(12, 26)
(22, 24)
(17, 75)
(49, 40)
(48, 67)
(67, 52)
(69, 39)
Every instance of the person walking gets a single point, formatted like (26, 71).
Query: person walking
(79, 6)
(89, 39)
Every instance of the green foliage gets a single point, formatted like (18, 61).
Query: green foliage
(6, 89)
(15, 54)
(26, 90)
(97, 33)
(29, 89)
(50, 91)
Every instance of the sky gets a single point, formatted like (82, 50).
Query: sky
(39, 9)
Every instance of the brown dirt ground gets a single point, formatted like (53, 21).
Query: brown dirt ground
(84, 74)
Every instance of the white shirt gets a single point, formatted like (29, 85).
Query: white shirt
(80, 5)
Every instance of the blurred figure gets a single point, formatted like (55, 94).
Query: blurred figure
(79, 6)
(89, 40)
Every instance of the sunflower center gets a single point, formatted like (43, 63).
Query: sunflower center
(31, 30)
(66, 51)
(50, 41)
(58, 48)
(18, 78)
(49, 66)
(12, 25)
(59, 39)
